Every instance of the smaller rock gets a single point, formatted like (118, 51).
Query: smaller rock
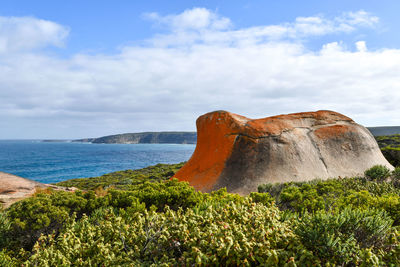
(14, 188)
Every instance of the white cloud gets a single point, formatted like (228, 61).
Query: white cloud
(158, 87)
(359, 18)
(361, 46)
(192, 19)
(200, 25)
(26, 33)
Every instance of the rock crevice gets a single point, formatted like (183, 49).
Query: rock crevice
(317, 149)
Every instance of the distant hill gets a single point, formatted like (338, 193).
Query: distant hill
(184, 137)
(384, 130)
(145, 138)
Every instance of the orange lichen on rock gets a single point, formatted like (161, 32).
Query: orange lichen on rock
(334, 131)
(275, 125)
(214, 145)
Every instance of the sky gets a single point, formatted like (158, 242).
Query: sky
(76, 69)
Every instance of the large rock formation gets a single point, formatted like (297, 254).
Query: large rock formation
(240, 153)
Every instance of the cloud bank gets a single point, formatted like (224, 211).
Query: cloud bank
(199, 62)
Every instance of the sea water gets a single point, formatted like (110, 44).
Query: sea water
(51, 162)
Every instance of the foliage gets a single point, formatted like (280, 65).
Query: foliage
(364, 200)
(388, 141)
(396, 174)
(6, 260)
(342, 238)
(5, 226)
(377, 173)
(42, 214)
(153, 220)
(390, 147)
(392, 155)
(123, 179)
(171, 193)
(263, 198)
(325, 195)
(245, 233)
(300, 199)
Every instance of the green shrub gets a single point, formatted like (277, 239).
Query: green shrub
(125, 180)
(377, 173)
(144, 219)
(84, 243)
(273, 189)
(263, 198)
(230, 235)
(396, 176)
(392, 154)
(171, 193)
(340, 238)
(124, 200)
(32, 217)
(5, 226)
(300, 199)
(45, 214)
(328, 194)
(6, 260)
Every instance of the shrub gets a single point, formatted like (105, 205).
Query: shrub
(339, 238)
(6, 260)
(317, 194)
(45, 214)
(32, 217)
(166, 222)
(300, 199)
(396, 176)
(171, 193)
(5, 226)
(392, 154)
(273, 189)
(377, 173)
(234, 234)
(391, 204)
(263, 198)
(124, 180)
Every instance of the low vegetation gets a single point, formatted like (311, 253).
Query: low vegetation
(125, 179)
(142, 218)
(390, 147)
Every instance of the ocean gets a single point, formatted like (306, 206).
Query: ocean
(51, 162)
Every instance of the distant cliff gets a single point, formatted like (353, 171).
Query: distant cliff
(145, 138)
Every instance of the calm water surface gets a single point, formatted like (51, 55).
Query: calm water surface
(54, 162)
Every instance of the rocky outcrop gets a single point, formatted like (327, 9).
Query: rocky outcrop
(240, 153)
(14, 188)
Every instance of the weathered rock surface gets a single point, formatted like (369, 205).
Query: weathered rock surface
(240, 153)
(14, 188)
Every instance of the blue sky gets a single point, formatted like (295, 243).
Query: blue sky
(102, 26)
(71, 69)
